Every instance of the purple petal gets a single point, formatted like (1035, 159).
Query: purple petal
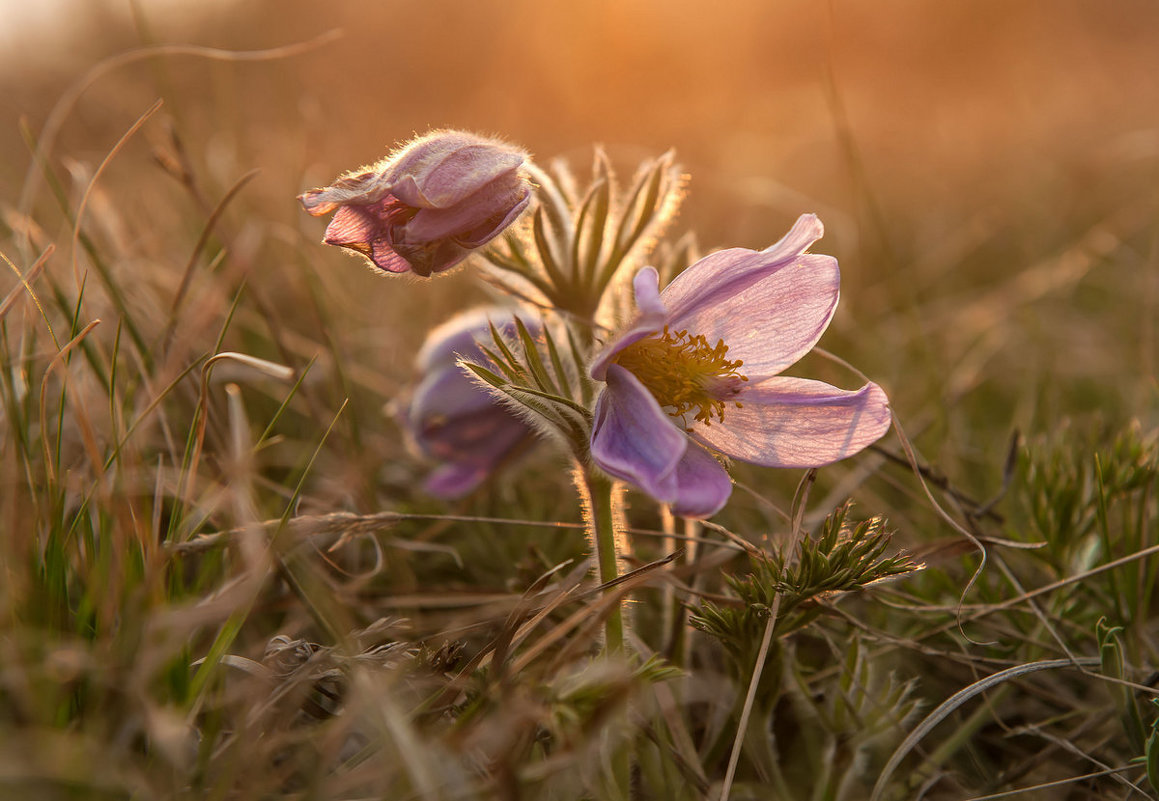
(805, 231)
(483, 438)
(795, 422)
(478, 217)
(772, 316)
(444, 170)
(366, 229)
(688, 289)
(366, 186)
(448, 393)
(487, 230)
(651, 315)
(703, 485)
(633, 439)
(352, 225)
(422, 258)
(460, 336)
(770, 307)
(451, 481)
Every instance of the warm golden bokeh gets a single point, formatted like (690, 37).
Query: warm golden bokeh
(949, 106)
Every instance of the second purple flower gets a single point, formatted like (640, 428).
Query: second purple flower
(425, 208)
(451, 418)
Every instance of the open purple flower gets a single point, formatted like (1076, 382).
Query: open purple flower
(453, 420)
(698, 366)
(424, 209)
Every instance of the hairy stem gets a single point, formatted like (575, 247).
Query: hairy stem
(598, 493)
(601, 518)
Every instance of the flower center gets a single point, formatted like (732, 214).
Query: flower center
(684, 373)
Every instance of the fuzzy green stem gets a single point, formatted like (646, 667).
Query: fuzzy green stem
(599, 495)
(602, 530)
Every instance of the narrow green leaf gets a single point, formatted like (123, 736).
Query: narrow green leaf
(517, 368)
(491, 378)
(556, 364)
(579, 359)
(1153, 759)
(533, 359)
(547, 254)
(591, 223)
(511, 374)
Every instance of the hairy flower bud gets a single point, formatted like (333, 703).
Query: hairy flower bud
(427, 206)
(453, 420)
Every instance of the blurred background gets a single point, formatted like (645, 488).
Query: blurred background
(987, 171)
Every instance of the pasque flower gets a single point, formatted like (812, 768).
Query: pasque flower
(452, 419)
(425, 208)
(697, 369)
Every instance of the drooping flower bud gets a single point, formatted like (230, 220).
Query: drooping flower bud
(453, 420)
(427, 206)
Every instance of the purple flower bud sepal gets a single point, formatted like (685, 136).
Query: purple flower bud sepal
(426, 207)
(453, 420)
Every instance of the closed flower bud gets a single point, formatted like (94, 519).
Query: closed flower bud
(426, 207)
(453, 420)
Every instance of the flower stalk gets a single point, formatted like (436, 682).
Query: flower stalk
(600, 501)
(599, 493)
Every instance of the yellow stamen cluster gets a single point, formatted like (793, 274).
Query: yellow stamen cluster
(684, 372)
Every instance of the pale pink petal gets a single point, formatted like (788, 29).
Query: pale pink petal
(353, 225)
(368, 229)
(650, 318)
(702, 484)
(487, 230)
(806, 230)
(367, 186)
(796, 422)
(452, 179)
(633, 439)
(444, 169)
(698, 284)
(478, 217)
(388, 259)
(770, 317)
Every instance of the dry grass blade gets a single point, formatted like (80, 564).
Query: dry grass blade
(63, 106)
(26, 280)
(1047, 785)
(83, 205)
(956, 700)
(206, 231)
(57, 361)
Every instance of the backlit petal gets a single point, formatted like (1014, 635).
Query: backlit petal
(478, 217)
(704, 281)
(795, 422)
(650, 319)
(702, 484)
(772, 316)
(633, 439)
(444, 169)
